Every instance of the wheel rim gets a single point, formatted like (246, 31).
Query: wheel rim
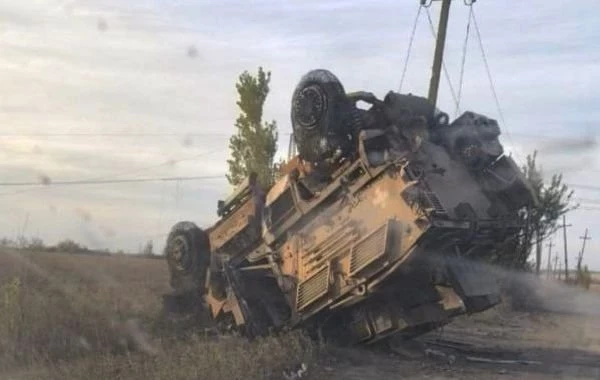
(180, 253)
(309, 106)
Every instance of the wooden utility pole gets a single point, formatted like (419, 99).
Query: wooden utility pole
(556, 270)
(585, 237)
(564, 227)
(548, 275)
(439, 52)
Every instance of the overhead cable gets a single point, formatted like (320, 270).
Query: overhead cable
(111, 181)
(410, 43)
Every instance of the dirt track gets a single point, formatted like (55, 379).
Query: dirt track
(500, 344)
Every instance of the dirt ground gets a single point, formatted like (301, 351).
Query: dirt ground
(498, 344)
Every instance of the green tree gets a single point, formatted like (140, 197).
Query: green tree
(554, 200)
(70, 246)
(254, 144)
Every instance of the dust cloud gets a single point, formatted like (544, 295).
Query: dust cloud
(539, 293)
(555, 296)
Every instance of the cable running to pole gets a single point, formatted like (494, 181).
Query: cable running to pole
(490, 79)
(100, 182)
(487, 67)
(464, 58)
(109, 177)
(410, 43)
(122, 134)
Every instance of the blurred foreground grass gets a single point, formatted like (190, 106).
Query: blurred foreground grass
(66, 316)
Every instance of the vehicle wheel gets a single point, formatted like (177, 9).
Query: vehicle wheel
(323, 118)
(188, 254)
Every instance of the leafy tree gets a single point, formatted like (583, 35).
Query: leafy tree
(36, 244)
(7, 243)
(70, 246)
(254, 144)
(554, 199)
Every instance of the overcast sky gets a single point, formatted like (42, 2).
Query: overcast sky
(75, 68)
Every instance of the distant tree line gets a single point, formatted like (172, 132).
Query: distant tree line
(36, 244)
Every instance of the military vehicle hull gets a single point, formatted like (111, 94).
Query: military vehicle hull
(382, 232)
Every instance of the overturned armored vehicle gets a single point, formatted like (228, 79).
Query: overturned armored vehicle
(373, 229)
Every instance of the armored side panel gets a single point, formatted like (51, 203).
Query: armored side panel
(380, 226)
(385, 244)
(239, 227)
(235, 199)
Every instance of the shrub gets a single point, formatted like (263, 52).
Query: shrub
(10, 316)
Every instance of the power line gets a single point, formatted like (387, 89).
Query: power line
(585, 187)
(589, 201)
(165, 163)
(109, 134)
(220, 134)
(464, 59)
(487, 67)
(108, 177)
(589, 208)
(125, 180)
(534, 136)
(122, 134)
(490, 79)
(410, 43)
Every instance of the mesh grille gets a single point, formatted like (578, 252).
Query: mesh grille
(435, 202)
(312, 288)
(368, 249)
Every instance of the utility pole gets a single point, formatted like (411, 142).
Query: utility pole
(439, 52)
(556, 270)
(585, 237)
(548, 275)
(564, 227)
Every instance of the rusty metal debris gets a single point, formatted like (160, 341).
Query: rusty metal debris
(477, 359)
(448, 358)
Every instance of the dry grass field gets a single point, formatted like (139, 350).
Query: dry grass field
(65, 316)
(84, 317)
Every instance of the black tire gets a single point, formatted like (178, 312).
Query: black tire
(322, 116)
(188, 255)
